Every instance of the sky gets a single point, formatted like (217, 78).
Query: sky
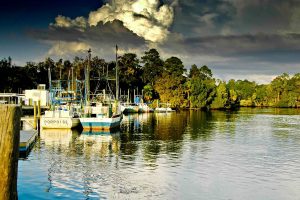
(240, 39)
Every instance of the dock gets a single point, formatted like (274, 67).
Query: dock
(27, 140)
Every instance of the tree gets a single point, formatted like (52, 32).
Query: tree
(129, 71)
(153, 66)
(202, 92)
(174, 66)
(201, 87)
(221, 100)
(171, 89)
(205, 73)
(148, 92)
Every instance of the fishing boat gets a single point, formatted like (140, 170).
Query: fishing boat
(164, 110)
(129, 108)
(59, 119)
(100, 116)
(64, 105)
(144, 108)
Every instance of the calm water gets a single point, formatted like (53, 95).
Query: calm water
(249, 154)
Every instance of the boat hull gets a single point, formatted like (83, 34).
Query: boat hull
(100, 123)
(59, 123)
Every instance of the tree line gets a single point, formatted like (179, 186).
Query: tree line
(165, 81)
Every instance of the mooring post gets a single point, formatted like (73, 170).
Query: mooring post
(34, 116)
(10, 117)
(39, 116)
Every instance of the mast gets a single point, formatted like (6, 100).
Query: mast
(117, 79)
(87, 79)
(50, 86)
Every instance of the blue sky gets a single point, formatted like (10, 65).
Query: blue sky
(241, 39)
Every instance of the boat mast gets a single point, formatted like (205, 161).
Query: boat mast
(87, 79)
(50, 87)
(117, 79)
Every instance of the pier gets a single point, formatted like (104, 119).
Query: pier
(27, 140)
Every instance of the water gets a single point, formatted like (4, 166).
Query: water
(249, 154)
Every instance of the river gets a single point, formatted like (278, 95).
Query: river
(245, 154)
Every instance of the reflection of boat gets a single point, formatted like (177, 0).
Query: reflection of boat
(57, 119)
(58, 136)
(100, 142)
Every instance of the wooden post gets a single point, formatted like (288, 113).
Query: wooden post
(34, 115)
(39, 109)
(10, 116)
(39, 116)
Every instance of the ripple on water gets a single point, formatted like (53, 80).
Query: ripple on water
(250, 154)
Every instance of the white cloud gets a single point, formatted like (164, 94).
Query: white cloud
(79, 23)
(66, 48)
(143, 17)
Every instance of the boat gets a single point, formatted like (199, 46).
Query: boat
(129, 108)
(98, 116)
(164, 110)
(144, 108)
(101, 118)
(59, 119)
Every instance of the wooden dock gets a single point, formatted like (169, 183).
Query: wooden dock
(27, 140)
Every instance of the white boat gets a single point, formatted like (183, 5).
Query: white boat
(144, 108)
(101, 118)
(164, 110)
(129, 108)
(59, 119)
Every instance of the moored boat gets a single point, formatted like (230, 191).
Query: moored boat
(59, 119)
(164, 110)
(144, 108)
(101, 117)
(100, 123)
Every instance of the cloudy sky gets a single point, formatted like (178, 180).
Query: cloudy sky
(240, 39)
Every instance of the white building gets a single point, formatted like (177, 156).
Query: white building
(37, 94)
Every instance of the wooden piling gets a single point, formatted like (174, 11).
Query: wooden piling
(10, 116)
(39, 116)
(34, 115)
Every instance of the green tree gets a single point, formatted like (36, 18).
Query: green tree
(153, 66)
(174, 66)
(221, 100)
(129, 71)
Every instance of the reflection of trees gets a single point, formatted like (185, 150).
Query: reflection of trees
(224, 121)
(202, 125)
(153, 133)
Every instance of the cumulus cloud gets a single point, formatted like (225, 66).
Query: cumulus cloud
(146, 18)
(79, 23)
(230, 36)
(62, 48)
(143, 17)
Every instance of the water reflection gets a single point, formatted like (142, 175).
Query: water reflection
(100, 143)
(63, 138)
(183, 155)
